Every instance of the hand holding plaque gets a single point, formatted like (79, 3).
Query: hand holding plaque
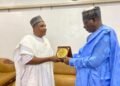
(64, 51)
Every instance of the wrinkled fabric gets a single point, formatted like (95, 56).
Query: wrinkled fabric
(33, 75)
(97, 63)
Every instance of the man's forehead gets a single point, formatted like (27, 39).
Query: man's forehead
(41, 23)
(86, 21)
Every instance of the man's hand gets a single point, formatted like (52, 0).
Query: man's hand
(55, 59)
(66, 60)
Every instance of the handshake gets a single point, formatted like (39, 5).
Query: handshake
(56, 59)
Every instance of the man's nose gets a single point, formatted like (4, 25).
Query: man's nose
(44, 28)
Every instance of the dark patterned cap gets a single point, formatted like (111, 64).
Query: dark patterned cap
(35, 20)
(91, 13)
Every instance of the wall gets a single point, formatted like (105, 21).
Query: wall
(64, 25)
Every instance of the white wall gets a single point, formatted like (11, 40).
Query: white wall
(64, 25)
(32, 2)
(111, 16)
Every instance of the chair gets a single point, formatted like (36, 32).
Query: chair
(7, 72)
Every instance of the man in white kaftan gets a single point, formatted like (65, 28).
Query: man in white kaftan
(33, 58)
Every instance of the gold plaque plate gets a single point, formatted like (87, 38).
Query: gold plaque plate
(63, 51)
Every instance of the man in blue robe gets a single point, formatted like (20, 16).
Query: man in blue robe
(98, 62)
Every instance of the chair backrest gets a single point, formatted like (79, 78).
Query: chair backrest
(61, 68)
(6, 65)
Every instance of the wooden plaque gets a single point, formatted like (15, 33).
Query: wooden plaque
(64, 51)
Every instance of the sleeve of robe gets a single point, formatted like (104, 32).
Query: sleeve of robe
(100, 53)
(26, 54)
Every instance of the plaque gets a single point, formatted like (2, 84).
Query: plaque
(64, 51)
